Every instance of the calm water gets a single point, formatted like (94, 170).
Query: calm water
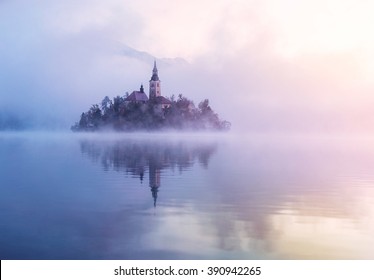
(186, 197)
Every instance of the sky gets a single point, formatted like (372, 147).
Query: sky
(266, 65)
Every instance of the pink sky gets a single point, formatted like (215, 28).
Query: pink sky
(284, 65)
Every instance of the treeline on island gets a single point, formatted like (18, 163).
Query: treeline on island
(122, 115)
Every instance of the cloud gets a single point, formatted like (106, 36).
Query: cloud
(263, 64)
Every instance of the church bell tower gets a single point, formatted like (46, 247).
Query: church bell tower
(154, 84)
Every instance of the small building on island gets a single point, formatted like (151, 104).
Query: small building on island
(137, 96)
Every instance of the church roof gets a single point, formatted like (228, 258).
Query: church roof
(155, 77)
(163, 100)
(137, 96)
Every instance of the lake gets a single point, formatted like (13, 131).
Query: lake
(186, 196)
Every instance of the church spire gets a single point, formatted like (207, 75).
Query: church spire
(154, 83)
(155, 73)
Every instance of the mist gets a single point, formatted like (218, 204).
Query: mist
(57, 59)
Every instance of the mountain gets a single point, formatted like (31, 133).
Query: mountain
(125, 50)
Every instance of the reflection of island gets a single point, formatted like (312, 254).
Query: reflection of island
(138, 157)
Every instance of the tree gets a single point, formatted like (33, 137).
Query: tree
(117, 101)
(83, 121)
(105, 104)
(204, 107)
(94, 116)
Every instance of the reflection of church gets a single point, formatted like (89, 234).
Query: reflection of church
(154, 178)
(136, 157)
(154, 182)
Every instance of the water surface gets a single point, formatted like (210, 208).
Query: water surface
(163, 196)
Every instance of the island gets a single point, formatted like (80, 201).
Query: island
(137, 111)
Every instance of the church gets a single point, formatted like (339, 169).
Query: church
(153, 111)
(154, 92)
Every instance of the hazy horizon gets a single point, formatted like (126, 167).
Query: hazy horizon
(264, 65)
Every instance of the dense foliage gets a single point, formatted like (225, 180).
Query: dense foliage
(122, 115)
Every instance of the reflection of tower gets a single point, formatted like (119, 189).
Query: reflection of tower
(141, 173)
(154, 181)
(154, 84)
